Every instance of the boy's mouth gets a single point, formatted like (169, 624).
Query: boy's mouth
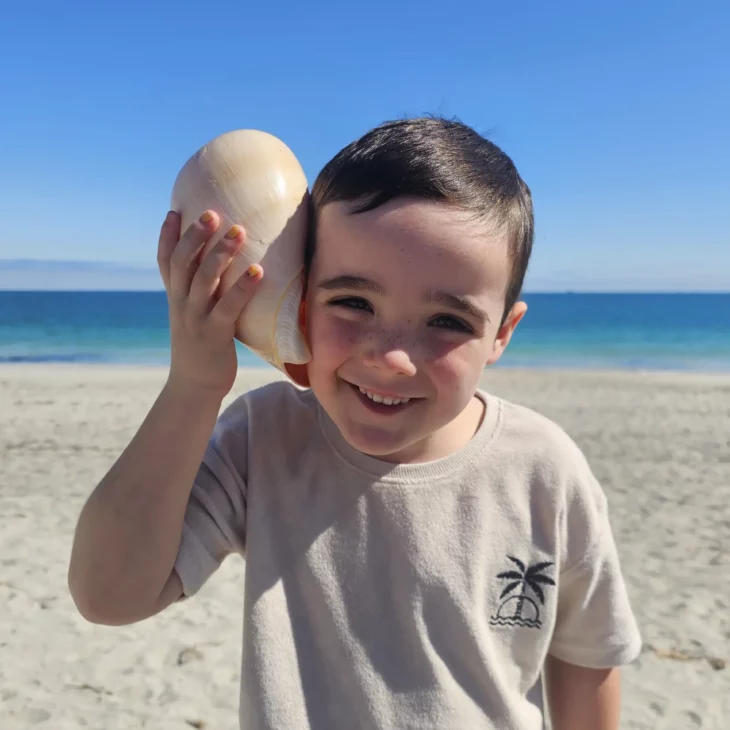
(381, 403)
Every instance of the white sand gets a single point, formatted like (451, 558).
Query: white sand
(659, 444)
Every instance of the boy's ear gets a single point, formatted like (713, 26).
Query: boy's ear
(506, 331)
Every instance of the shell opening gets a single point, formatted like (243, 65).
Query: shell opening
(288, 343)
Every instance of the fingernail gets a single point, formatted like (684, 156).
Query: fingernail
(254, 271)
(207, 217)
(234, 232)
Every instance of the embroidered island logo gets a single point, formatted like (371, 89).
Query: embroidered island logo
(519, 609)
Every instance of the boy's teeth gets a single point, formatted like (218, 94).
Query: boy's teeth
(384, 399)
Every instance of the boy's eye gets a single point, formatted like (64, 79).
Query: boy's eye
(351, 303)
(442, 321)
(451, 323)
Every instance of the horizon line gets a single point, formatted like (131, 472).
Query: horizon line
(610, 292)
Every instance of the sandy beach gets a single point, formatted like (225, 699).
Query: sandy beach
(659, 443)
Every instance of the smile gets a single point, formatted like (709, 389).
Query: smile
(385, 399)
(383, 404)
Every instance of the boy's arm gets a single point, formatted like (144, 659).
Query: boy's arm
(580, 697)
(128, 533)
(595, 631)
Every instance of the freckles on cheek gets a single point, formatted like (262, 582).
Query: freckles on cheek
(338, 334)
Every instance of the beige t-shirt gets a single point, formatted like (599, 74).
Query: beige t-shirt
(405, 596)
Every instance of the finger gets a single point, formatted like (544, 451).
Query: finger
(232, 303)
(184, 259)
(169, 236)
(211, 268)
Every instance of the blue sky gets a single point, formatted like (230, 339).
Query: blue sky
(616, 114)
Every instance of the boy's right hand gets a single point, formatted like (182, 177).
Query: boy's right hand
(202, 320)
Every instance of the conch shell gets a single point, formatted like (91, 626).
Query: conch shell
(253, 179)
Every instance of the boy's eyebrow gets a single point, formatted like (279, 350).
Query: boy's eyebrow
(350, 281)
(361, 283)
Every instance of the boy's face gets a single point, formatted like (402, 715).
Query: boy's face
(405, 302)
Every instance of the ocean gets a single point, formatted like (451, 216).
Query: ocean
(687, 332)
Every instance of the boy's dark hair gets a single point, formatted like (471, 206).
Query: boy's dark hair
(434, 159)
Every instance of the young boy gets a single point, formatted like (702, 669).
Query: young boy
(419, 553)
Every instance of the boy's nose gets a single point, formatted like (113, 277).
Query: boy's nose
(400, 362)
(392, 359)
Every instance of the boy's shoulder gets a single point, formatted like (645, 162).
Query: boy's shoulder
(535, 436)
(543, 452)
(274, 407)
(536, 452)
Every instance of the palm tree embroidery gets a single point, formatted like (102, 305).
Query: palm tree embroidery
(520, 609)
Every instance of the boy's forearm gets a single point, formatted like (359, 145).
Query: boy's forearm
(129, 530)
(580, 698)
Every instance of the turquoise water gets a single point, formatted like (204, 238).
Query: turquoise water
(617, 331)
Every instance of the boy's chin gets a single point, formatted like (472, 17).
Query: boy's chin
(382, 446)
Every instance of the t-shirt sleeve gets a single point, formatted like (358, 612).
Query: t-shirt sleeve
(595, 624)
(215, 516)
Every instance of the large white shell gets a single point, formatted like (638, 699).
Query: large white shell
(253, 179)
